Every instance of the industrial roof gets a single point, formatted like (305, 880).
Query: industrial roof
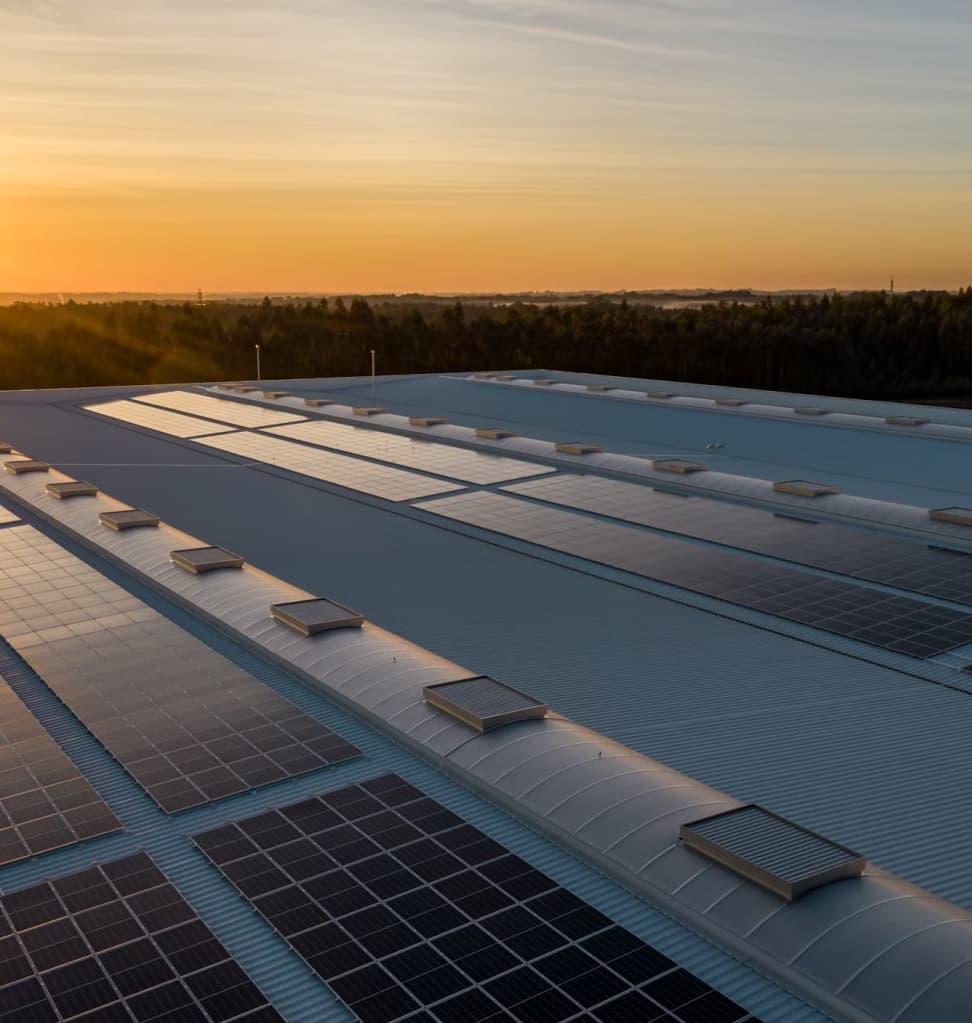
(669, 700)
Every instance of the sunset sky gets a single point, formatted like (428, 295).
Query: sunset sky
(468, 145)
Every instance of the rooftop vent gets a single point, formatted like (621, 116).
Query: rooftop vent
(811, 410)
(956, 516)
(506, 377)
(277, 394)
(244, 389)
(545, 381)
(5, 449)
(493, 433)
(75, 488)
(678, 465)
(316, 615)
(483, 375)
(731, 402)
(804, 488)
(659, 394)
(205, 559)
(905, 421)
(599, 388)
(577, 448)
(426, 421)
(367, 410)
(483, 703)
(128, 518)
(25, 465)
(319, 402)
(771, 851)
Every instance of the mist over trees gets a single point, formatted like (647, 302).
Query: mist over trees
(867, 345)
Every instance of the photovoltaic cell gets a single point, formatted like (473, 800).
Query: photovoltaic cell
(233, 412)
(900, 624)
(844, 550)
(409, 913)
(171, 423)
(186, 723)
(342, 470)
(45, 803)
(412, 452)
(117, 944)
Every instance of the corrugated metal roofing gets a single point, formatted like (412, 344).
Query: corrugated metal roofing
(619, 810)
(297, 992)
(741, 710)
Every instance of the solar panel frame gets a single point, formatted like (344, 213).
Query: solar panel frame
(898, 624)
(384, 481)
(117, 942)
(408, 912)
(417, 453)
(187, 724)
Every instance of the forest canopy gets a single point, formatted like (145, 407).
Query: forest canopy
(871, 345)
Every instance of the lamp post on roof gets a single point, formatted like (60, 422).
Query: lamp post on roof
(372, 374)
(257, 347)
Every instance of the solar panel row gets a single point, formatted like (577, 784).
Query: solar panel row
(185, 722)
(409, 913)
(342, 470)
(117, 944)
(233, 412)
(414, 453)
(840, 549)
(174, 424)
(45, 803)
(899, 624)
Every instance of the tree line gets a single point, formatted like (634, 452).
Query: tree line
(871, 344)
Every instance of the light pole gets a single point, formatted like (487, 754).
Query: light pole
(372, 374)
(257, 347)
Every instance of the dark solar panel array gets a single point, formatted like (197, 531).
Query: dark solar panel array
(841, 549)
(186, 723)
(409, 913)
(117, 944)
(900, 624)
(45, 803)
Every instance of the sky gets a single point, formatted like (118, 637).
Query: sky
(484, 145)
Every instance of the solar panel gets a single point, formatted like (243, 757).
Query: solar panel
(844, 550)
(905, 421)
(412, 452)
(899, 624)
(342, 470)
(220, 409)
(484, 703)
(114, 944)
(45, 803)
(173, 424)
(772, 851)
(493, 433)
(409, 913)
(186, 723)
